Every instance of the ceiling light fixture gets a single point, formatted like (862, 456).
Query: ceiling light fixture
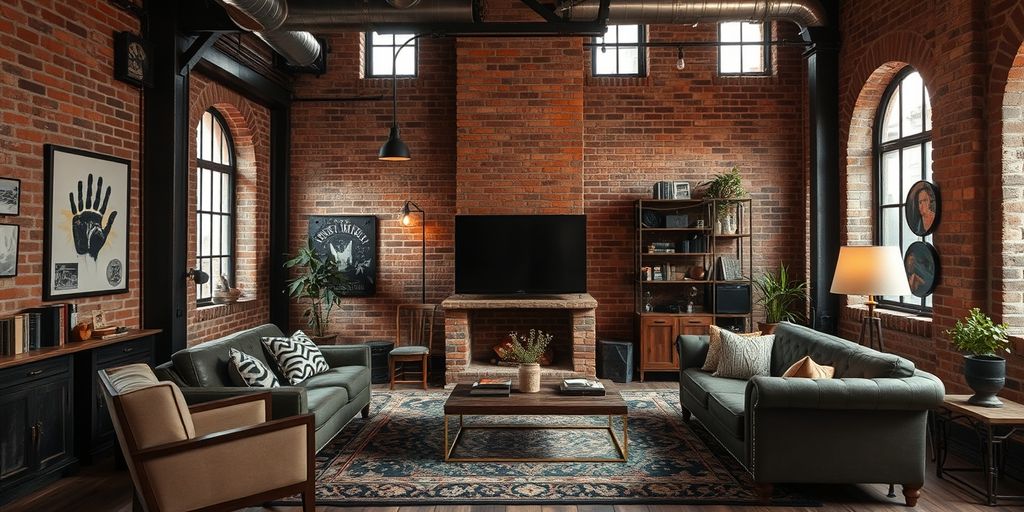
(680, 63)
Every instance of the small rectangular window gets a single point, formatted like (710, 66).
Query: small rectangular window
(744, 48)
(621, 52)
(381, 50)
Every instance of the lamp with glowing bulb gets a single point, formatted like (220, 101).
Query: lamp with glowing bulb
(871, 271)
(394, 150)
(407, 210)
(680, 63)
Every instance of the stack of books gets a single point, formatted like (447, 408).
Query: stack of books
(582, 387)
(492, 387)
(35, 328)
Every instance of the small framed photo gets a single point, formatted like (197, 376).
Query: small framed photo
(681, 189)
(923, 207)
(922, 264)
(10, 196)
(9, 249)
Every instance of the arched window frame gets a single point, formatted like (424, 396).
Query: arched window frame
(909, 303)
(213, 259)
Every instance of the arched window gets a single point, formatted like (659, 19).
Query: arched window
(215, 203)
(903, 156)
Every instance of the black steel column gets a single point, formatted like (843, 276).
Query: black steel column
(823, 95)
(164, 184)
(280, 210)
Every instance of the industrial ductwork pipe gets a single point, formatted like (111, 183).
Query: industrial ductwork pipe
(353, 15)
(805, 13)
(298, 48)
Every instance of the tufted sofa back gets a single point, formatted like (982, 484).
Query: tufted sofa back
(849, 359)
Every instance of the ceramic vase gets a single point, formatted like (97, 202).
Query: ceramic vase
(529, 377)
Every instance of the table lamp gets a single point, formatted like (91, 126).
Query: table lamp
(871, 271)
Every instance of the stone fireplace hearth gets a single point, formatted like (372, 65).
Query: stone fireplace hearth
(571, 318)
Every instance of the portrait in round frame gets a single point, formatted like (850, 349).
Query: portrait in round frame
(921, 262)
(923, 207)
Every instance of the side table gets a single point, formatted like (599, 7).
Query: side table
(993, 426)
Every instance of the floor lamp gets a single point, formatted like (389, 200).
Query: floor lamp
(873, 271)
(407, 210)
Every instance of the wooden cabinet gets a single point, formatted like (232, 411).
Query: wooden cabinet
(36, 423)
(658, 333)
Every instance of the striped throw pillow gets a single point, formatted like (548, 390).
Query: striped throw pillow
(715, 347)
(251, 371)
(743, 358)
(298, 357)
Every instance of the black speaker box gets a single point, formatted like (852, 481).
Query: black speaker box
(616, 360)
(732, 299)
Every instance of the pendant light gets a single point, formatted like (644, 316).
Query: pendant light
(394, 150)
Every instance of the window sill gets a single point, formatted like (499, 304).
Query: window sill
(212, 311)
(893, 320)
(618, 80)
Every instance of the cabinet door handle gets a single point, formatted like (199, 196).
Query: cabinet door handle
(695, 322)
(127, 349)
(33, 373)
(659, 322)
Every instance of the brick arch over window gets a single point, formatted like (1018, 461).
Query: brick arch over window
(249, 124)
(1010, 282)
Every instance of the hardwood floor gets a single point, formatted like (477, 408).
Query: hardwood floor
(103, 488)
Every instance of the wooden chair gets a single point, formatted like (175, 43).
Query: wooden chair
(216, 456)
(414, 336)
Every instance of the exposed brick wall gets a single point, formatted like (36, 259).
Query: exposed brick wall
(57, 87)
(249, 124)
(490, 327)
(964, 51)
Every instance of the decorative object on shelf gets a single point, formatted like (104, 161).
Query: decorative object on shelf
(528, 351)
(873, 271)
(981, 339)
(723, 188)
(677, 221)
(350, 243)
(697, 272)
(691, 302)
(407, 210)
(663, 190)
(651, 219)
(10, 196)
(225, 294)
(81, 332)
(779, 295)
(318, 282)
(9, 237)
(87, 223)
(923, 208)
(680, 190)
(131, 60)
(921, 263)
(729, 268)
(648, 297)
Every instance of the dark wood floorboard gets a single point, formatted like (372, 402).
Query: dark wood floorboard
(102, 488)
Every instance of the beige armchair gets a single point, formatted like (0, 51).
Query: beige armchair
(219, 455)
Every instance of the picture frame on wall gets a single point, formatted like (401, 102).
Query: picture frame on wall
(351, 242)
(87, 223)
(923, 207)
(681, 189)
(9, 240)
(10, 196)
(921, 262)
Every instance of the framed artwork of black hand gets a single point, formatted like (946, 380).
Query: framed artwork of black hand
(87, 223)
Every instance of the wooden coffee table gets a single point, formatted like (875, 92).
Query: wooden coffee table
(548, 402)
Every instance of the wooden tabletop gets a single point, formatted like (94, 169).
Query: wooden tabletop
(1011, 413)
(547, 402)
(72, 347)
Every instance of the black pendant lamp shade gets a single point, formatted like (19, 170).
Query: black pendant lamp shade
(394, 150)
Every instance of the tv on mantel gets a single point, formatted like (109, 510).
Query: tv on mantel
(520, 254)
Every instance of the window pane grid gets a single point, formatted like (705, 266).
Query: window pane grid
(381, 50)
(743, 48)
(624, 55)
(214, 207)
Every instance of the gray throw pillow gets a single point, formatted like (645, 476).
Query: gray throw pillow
(297, 356)
(743, 358)
(250, 371)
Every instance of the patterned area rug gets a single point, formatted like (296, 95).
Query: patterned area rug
(395, 458)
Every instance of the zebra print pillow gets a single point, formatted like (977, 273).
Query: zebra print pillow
(298, 357)
(251, 371)
(743, 358)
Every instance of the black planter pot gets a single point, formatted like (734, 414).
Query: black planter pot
(986, 375)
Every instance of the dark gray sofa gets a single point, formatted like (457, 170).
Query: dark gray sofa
(867, 425)
(334, 397)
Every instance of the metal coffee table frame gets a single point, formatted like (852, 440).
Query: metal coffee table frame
(622, 447)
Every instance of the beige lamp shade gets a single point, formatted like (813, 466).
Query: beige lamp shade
(870, 270)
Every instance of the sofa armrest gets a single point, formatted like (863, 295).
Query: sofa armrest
(920, 392)
(693, 350)
(346, 355)
(285, 401)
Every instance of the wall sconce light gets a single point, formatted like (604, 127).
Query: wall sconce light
(197, 276)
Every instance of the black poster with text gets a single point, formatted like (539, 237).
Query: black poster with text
(351, 242)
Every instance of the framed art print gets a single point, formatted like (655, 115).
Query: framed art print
(922, 265)
(9, 249)
(87, 212)
(351, 242)
(923, 208)
(10, 196)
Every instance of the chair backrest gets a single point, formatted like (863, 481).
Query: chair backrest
(415, 325)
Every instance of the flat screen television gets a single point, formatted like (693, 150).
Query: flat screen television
(520, 254)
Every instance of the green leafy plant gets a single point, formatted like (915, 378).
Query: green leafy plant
(319, 282)
(978, 335)
(779, 295)
(728, 185)
(531, 348)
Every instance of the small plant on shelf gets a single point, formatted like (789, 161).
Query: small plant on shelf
(725, 186)
(779, 296)
(982, 340)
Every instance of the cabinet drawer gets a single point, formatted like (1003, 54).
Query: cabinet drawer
(34, 371)
(125, 350)
(695, 320)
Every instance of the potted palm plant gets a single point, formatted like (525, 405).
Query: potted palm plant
(319, 283)
(779, 295)
(981, 339)
(527, 351)
(724, 188)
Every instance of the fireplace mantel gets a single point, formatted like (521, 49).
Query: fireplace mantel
(559, 301)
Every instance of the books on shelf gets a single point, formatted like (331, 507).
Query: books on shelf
(492, 387)
(582, 387)
(35, 328)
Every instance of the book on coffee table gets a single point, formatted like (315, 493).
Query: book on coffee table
(492, 387)
(581, 387)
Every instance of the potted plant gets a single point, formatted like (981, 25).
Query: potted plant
(981, 339)
(779, 295)
(527, 351)
(724, 188)
(319, 282)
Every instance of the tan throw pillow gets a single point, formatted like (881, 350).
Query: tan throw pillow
(808, 369)
(743, 358)
(715, 347)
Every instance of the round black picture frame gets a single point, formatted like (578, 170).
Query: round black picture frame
(921, 263)
(916, 208)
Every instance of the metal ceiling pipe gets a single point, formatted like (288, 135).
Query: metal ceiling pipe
(805, 13)
(256, 15)
(352, 15)
(298, 48)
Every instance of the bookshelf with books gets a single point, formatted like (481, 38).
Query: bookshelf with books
(694, 265)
